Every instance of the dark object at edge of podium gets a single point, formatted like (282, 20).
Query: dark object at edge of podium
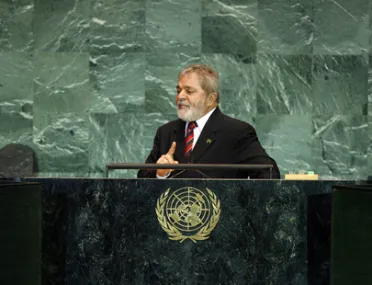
(351, 247)
(20, 233)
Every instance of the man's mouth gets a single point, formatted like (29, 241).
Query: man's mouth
(182, 106)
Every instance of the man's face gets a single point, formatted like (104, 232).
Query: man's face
(191, 99)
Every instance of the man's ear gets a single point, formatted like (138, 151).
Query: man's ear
(212, 98)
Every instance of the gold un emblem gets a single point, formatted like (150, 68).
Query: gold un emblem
(188, 213)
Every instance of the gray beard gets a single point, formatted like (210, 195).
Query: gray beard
(191, 115)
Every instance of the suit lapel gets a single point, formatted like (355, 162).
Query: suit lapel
(207, 137)
(180, 141)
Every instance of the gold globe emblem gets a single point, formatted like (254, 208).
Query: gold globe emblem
(188, 213)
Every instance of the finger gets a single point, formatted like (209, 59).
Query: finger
(174, 162)
(169, 158)
(172, 149)
(163, 160)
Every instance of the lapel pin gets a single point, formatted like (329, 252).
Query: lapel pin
(209, 141)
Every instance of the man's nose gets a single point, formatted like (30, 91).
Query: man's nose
(181, 95)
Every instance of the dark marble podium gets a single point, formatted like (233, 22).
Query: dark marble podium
(106, 231)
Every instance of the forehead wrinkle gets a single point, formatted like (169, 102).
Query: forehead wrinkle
(186, 86)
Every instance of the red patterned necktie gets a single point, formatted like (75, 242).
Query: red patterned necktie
(189, 138)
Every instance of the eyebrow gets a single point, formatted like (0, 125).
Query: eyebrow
(179, 87)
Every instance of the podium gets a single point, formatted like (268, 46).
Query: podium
(197, 231)
(116, 231)
(20, 233)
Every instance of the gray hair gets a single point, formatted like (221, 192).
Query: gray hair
(208, 78)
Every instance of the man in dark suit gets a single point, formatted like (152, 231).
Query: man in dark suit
(203, 134)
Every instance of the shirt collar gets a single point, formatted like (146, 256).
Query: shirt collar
(203, 120)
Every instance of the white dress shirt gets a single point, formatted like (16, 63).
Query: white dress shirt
(200, 125)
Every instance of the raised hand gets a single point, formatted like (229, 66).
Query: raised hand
(167, 159)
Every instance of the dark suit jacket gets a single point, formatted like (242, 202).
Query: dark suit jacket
(224, 140)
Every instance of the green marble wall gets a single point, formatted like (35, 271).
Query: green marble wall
(85, 83)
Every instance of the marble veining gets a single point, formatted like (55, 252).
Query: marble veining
(286, 27)
(352, 38)
(79, 79)
(16, 32)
